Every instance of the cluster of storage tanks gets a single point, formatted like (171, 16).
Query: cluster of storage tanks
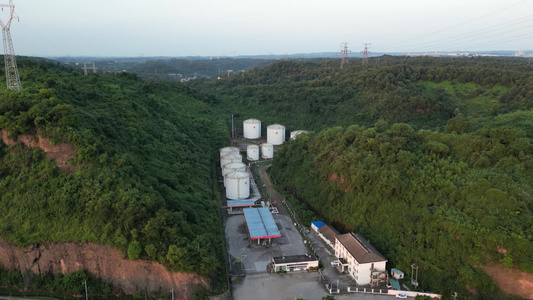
(252, 131)
(275, 137)
(236, 177)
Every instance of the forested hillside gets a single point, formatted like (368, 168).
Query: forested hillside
(448, 202)
(430, 158)
(142, 177)
(424, 92)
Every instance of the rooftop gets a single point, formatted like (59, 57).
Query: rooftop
(294, 258)
(240, 203)
(329, 233)
(318, 224)
(360, 248)
(260, 223)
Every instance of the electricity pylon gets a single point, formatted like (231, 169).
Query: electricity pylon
(344, 51)
(12, 72)
(365, 53)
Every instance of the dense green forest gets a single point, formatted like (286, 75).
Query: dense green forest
(144, 179)
(424, 92)
(446, 201)
(429, 158)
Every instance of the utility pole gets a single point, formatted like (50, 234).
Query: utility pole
(86, 294)
(344, 52)
(414, 277)
(365, 53)
(232, 130)
(12, 72)
(172, 291)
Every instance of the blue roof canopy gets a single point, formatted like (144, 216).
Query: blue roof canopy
(260, 223)
(240, 203)
(318, 224)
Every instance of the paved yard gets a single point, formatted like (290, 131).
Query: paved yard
(289, 287)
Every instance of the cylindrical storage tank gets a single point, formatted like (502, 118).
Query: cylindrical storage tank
(230, 158)
(237, 185)
(252, 152)
(251, 129)
(275, 134)
(232, 167)
(267, 151)
(297, 132)
(227, 150)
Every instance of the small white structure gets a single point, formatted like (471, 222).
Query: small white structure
(397, 274)
(362, 261)
(275, 134)
(237, 185)
(267, 151)
(316, 225)
(252, 152)
(297, 132)
(232, 167)
(230, 158)
(251, 129)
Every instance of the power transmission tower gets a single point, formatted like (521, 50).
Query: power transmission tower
(12, 72)
(344, 52)
(365, 53)
(85, 68)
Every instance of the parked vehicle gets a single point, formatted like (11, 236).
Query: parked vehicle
(401, 296)
(335, 263)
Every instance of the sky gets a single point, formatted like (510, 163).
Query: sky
(136, 28)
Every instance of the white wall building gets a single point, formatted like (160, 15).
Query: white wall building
(362, 261)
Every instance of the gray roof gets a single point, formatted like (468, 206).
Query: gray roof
(260, 223)
(360, 248)
(329, 233)
(294, 259)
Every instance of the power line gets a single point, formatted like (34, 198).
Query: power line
(477, 33)
(469, 39)
(452, 27)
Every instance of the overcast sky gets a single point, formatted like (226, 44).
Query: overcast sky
(250, 27)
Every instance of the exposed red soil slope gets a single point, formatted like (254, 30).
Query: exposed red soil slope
(102, 261)
(335, 178)
(512, 281)
(59, 153)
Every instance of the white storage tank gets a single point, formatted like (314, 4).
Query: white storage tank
(230, 158)
(267, 151)
(297, 132)
(228, 150)
(237, 185)
(252, 152)
(251, 129)
(275, 134)
(232, 167)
